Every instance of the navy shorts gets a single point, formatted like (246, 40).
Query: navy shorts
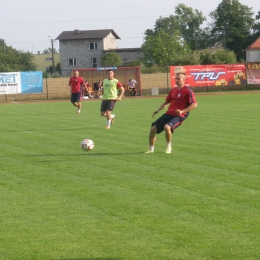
(165, 119)
(75, 97)
(107, 105)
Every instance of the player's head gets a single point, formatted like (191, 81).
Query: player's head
(180, 75)
(110, 74)
(179, 70)
(76, 73)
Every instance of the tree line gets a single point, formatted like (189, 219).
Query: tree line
(183, 38)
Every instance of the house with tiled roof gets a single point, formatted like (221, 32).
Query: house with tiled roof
(85, 48)
(253, 51)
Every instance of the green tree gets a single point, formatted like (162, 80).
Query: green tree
(13, 60)
(111, 59)
(232, 24)
(256, 28)
(162, 49)
(49, 51)
(219, 56)
(186, 21)
(134, 63)
(58, 68)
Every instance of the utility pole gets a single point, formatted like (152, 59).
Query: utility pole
(52, 54)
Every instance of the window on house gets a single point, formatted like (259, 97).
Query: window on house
(93, 45)
(94, 62)
(72, 62)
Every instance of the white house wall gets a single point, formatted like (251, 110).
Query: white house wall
(109, 42)
(253, 56)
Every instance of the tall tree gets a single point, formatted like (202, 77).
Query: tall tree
(256, 27)
(13, 60)
(163, 49)
(186, 21)
(233, 23)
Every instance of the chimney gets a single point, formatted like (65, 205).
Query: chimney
(76, 31)
(38, 52)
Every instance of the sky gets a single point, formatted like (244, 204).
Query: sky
(29, 25)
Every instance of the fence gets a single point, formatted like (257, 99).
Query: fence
(56, 88)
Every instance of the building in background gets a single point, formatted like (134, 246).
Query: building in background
(85, 49)
(44, 61)
(128, 54)
(253, 51)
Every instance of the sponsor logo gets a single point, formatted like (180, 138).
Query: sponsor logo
(7, 78)
(207, 75)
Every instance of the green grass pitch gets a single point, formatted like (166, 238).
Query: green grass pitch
(202, 202)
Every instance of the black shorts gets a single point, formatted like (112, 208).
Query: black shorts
(165, 119)
(75, 97)
(107, 105)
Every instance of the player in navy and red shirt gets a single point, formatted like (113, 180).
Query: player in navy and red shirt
(75, 84)
(181, 101)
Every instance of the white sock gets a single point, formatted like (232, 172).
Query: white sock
(152, 148)
(113, 116)
(169, 144)
(78, 110)
(108, 122)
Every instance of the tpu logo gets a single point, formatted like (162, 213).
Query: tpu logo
(207, 75)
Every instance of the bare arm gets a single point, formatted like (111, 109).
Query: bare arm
(122, 90)
(187, 109)
(85, 86)
(162, 106)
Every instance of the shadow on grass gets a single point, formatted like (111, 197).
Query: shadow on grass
(83, 154)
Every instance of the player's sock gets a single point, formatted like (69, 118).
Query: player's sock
(108, 122)
(112, 118)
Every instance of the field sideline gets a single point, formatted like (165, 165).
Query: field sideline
(117, 203)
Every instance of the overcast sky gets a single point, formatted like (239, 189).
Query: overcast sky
(27, 24)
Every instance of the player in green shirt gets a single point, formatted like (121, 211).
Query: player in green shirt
(111, 88)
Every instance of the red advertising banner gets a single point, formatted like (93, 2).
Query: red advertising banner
(253, 72)
(212, 75)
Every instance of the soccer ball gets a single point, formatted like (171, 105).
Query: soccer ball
(87, 145)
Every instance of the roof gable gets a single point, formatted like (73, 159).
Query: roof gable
(255, 45)
(86, 34)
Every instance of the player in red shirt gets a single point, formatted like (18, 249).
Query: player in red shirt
(181, 101)
(75, 85)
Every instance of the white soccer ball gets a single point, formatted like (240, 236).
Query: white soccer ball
(87, 145)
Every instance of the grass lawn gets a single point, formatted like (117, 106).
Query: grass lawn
(202, 202)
